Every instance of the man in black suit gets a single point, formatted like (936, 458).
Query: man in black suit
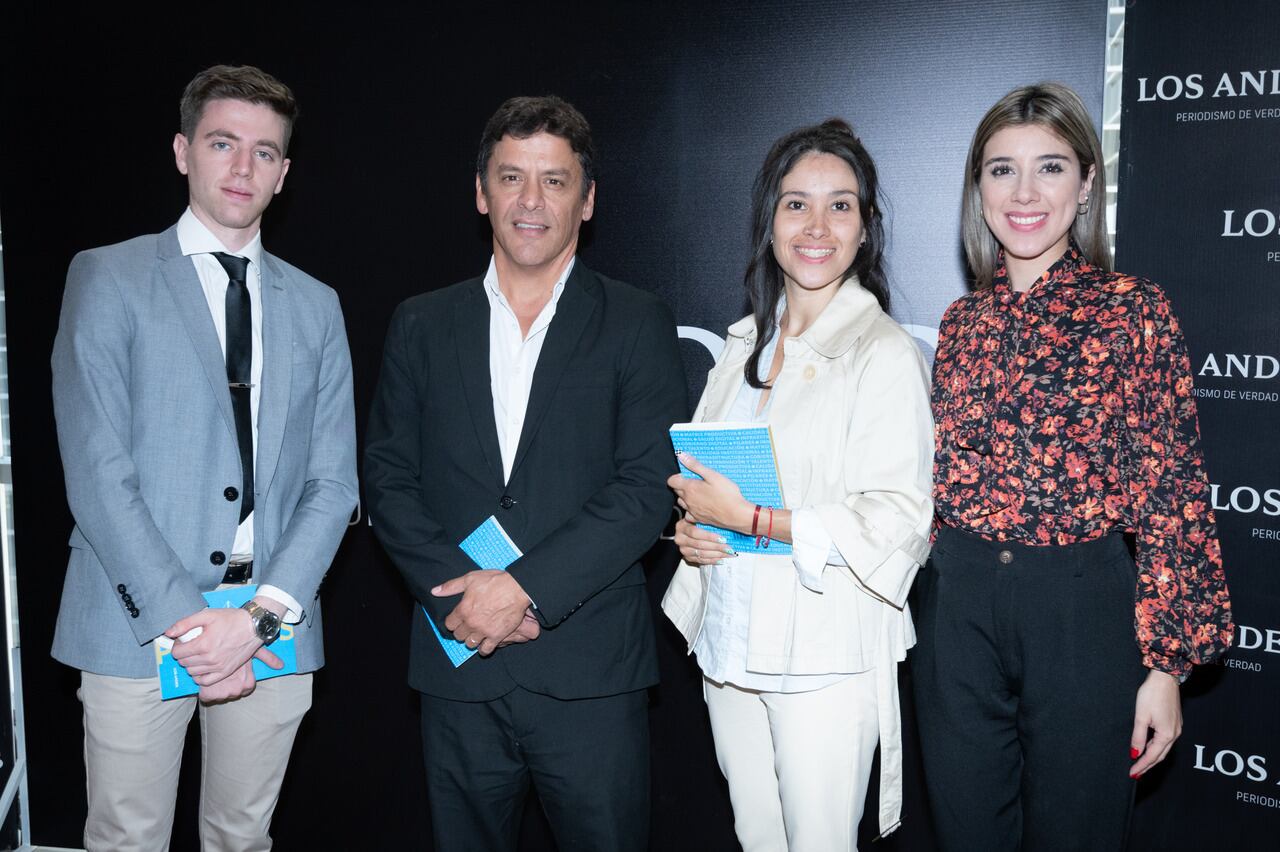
(540, 394)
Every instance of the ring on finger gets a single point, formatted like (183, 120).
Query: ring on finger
(697, 553)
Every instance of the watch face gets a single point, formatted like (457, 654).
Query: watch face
(268, 627)
(266, 624)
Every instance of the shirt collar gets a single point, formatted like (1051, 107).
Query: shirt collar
(195, 238)
(1064, 270)
(850, 311)
(495, 292)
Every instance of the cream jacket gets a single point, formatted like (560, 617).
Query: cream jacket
(854, 439)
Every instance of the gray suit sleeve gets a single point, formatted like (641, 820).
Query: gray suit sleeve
(92, 405)
(329, 494)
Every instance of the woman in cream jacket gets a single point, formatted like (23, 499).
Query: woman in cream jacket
(799, 652)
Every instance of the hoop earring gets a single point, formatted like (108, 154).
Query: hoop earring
(1083, 207)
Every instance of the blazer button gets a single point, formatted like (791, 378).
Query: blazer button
(1005, 557)
(133, 613)
(128, 599)
(809, 372)
(217, 557)
(506, 502)
(230, 493)
(121, 588)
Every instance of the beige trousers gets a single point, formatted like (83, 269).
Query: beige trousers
(797, 763)
(133, 751)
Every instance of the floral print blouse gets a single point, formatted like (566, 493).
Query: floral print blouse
(1066, 413)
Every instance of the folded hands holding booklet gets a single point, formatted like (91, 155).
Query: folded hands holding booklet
(492, 549)
(174, 680)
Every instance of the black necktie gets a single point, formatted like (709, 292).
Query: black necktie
(240, 368)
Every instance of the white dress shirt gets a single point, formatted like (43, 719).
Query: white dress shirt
(198, 242)
(513, 357)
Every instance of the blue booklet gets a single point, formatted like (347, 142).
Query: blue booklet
(743, 452)
(174, 680)
(492, 549)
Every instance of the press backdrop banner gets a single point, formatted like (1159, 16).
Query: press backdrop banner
(1199, 213)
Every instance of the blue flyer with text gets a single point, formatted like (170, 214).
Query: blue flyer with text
(743, 452)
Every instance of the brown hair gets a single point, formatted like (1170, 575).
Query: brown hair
(522, 117)
(1059, 110)
(237, 83)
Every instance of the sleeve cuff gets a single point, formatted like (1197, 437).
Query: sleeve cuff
(294, 613)
(810, 548)
(1179, 668)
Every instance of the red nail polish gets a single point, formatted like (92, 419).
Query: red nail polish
(1133, 753)
(1135, 775)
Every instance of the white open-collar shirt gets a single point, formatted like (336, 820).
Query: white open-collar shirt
(513, 357)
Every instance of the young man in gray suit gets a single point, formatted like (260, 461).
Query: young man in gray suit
(202, 389)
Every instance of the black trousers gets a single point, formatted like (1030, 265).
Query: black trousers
(587, 758)
(1025, 675)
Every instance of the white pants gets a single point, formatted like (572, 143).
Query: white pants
(133, 750)
(797, 763)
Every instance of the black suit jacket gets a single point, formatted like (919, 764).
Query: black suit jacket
(587, 494)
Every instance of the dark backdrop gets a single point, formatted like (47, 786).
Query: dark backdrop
(1200, 131)
(684, 99)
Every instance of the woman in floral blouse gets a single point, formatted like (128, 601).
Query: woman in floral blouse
(1065, 421)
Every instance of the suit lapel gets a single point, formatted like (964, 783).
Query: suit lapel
(184, 286)
(471, 331)
(277, 370)
(578, 302)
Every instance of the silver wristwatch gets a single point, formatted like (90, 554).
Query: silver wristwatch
(266, 624)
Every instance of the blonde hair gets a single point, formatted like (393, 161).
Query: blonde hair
(1059, 110)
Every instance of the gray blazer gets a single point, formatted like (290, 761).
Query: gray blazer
(149, 449)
